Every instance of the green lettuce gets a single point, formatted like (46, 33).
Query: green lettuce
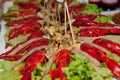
(74, 2)
(8, 19)
(80, 69)
(22, 1)
(91, 9)
(10, 74)
(114, 57)
(14, 7)
(103, 19)
(37, 1)
(6, 35)
(37, 72)
(47, 77)
(103, 73)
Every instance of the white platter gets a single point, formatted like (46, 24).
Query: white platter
(6, 5)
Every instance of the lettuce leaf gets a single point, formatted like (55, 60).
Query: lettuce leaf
(37, 1)
(14, 7)
(74, 2)
(37, 72)
(103, 19)
(22, 0)
(80, 69)
(8, 19)
(102, 74)
(114, 57)
(91, 9)
(10, 74)
(5, 65)
(47, 77)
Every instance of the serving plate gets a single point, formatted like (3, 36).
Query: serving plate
(2, 42)
(6, 5)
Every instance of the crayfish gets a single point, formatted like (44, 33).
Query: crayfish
(52, 2)
(88, 21)
(25, 9)
(22, 13)
(15, 52)
(108, 44)
(62, 59)
(76, 9)
(23, 21)
(24, 29)
(86, 17)
(37, 57)
(23, 26)
(28, 5)
(97, 31)
(92, 32)
(36, 34)
(100, 56)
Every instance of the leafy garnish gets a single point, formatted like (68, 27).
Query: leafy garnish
(103, 19)
(10, 74)
(80, 69)
(91, 9)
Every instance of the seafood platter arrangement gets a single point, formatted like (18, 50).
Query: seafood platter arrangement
(59, 40)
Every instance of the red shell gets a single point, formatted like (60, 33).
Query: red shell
(92, 32)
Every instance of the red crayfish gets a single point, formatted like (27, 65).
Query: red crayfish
(25, 9)
(53, 2)
(108, 44)
(97, 31)
(86, 17)
(92, 32)
(37, 57)
(53, 74)
(28, 5)
(100, 56)
(62, 59)
(24, 29)
(23, 21)
(22, 13)
(15, 53)
(76, 9)
(88, 21)
(36, 34)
